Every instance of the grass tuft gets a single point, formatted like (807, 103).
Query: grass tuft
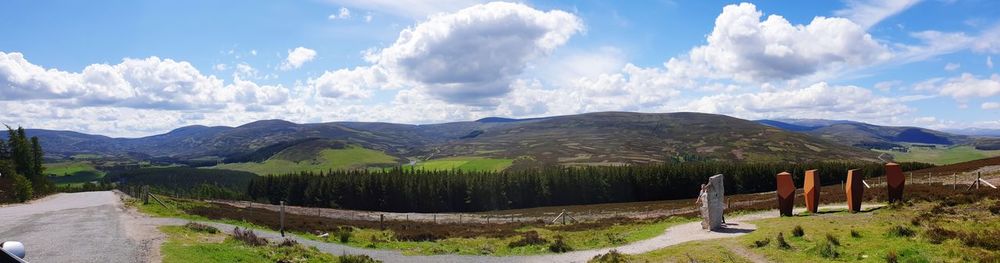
(248, 237)
(357, 259)
(782, 244)
(197, 227)
(855, 234)
(527, 239)
(612, 256)
(798, 231)
(761, 243)
(560, 246)
(901, 231)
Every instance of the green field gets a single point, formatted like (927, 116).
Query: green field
(72, 173)
(941, 155)
(465, 164)
(351, 157)
(186, 245)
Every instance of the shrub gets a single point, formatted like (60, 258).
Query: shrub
(197, 227)
(344, 234)
(828, 250)
(357, 259)
(527, 239)
(22, 188)
(798, 231)
(559, 246)
(832, 239)
(248, 237)
(995, 208)
(936, 234)
(855, 234)
(612, 256)
(984, 238)
(288, 243)
(781, 241)
(892, 257)
(615, 238)
(761, 243)
(900, 231)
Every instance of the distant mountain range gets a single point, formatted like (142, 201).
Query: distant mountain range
(603, 138)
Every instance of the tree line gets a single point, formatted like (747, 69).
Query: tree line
(408, 190)
(21, 172)
(184, 181)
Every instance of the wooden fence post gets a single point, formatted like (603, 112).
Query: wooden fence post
(282, 218)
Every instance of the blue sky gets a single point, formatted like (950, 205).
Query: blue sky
(135, 68)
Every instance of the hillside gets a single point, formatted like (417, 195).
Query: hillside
(867, 135)
(316, 155)
(605, 138)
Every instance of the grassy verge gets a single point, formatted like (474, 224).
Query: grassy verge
(601, 237)
(184, 244)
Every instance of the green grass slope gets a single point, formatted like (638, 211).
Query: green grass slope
(312, 159)
(942, 155)
(72, 173)
(465, 163)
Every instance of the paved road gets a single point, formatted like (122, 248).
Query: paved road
(77, 227)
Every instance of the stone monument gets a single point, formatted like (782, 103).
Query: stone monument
(712, 199)
(855, 189)
(786, 193)
(894, 181)
(811, 189)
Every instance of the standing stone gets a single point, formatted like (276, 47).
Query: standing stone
(811, 189)
(894, 181)
(855, 190)
(786, 193)
(712, 203)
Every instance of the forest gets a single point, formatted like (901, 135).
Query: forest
(185, 181)
(407, 190)
(21, 172)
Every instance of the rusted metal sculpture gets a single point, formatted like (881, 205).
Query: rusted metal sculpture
(786, 193)
(712, 199)
(894, 182)
(855, 189)
(811, 191)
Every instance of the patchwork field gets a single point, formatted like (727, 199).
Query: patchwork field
(72, 173)
(351, 157)
(464, 164)
(941, 155)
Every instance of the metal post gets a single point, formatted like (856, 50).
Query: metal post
(282, 218)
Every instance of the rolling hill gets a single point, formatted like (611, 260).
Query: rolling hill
(603, 138)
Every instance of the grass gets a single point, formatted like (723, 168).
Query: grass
(187, 245)
(351, 157)
(698, 251)
(577, 240)
(73, 173)
(942, 155)
(465, 163)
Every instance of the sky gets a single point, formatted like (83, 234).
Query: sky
(138, 68)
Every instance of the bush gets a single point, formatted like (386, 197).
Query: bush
(891, 257)
(798, 231)
(832, 239)
(615, 238)
(761, 243)
(198, 227)
(344, 234)
(995, 208)
(288, 243)
(855, 234)
(248, 237)
(357, 259)
(612, 256)
(781, 241)
(984, 238)
(22, 188)
(901, 231)
(560, 246)
(828, 250)
(936, 234)
(527, 239)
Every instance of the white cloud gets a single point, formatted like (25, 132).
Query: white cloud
(343, 13)
(220, 67)
(470, 56)
(348, 84)
(969, 86)
(368, 18)
(297, 57)
(991, 105)
(989, 62)
(885, 86)
(952, 66)
(417, 9)
(743, 47)
(868, 13)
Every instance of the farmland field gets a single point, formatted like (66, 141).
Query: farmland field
(465, 164)
(942, 155)
(351, 157)
(72, 173)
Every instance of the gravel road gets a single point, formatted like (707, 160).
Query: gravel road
(75, 227)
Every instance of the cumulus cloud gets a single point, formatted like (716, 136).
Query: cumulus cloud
(871, 12)
(952, 66)
(969, 86)
(150, 83)
(343, 13)
(297, 57)
(745, 48)
(470, 56)
(991, 105)
(417, 9)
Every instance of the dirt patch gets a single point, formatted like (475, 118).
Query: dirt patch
(141, 230)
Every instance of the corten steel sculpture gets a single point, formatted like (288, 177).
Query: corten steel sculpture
(712, 203)
(786, 193)
(855, 190)
(894, 181)
(811, 189)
